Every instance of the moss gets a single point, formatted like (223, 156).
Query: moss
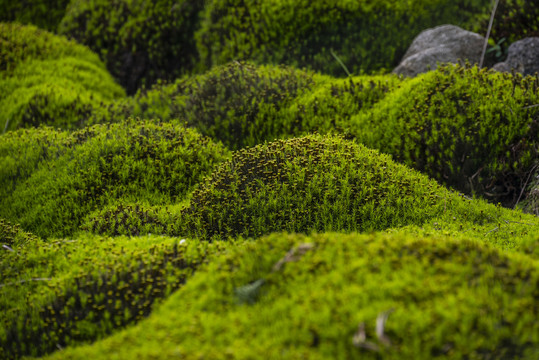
(46, 14)
(514, 20)
(63, 93)
(441, 298)
(471, 129)
(19, 43)
(13, 236)
(365, 36)
(239, 104)
(141, 161)
(73, 291)
(140, 41)
(312, 183)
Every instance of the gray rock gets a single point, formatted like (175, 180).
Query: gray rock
(442, 44)
(522, 57)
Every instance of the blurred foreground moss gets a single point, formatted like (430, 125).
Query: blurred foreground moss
(369, 296)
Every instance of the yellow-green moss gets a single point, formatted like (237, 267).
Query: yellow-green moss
(444, 299)
(72, 291)
(135, 160)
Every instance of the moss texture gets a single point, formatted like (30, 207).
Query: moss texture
(150, 162)
(46, 14)
(473, 130)
(366, 36)
(140, 41)
(64, 93)
(20, 43)
(293, 296)
(238, 104)
(72, 291)
(12, 236)
(313, 183)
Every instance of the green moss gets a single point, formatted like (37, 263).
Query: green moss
(63, 93)
(142, 161)
(19, 43)
(514, 20)
(140, 41)
(46, 14)
(366, 36)
(68, 292)
(13, 236)
(308, 184)
(469, 129)
(239, 104)
(444, 299)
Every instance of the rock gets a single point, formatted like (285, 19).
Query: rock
(522, 56)
(442, 44)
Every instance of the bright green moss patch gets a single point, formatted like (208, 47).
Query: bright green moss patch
(308, 184)
(140, 41)
(63, 93)
(20, 43)
(473, 130)
(309, 297)
(135, 161)
(239, 104)
(78, 290)
(365, 35)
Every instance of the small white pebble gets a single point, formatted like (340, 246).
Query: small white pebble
(182, 241)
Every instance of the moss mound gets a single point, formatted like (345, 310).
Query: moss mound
(140, 41)
(139, 161)
(308, 184)
(20, 43)
(69, 292)
(473, 130)
(239, 104)
(64, 93)
(364, 36)
(45, 14)
(321, 297)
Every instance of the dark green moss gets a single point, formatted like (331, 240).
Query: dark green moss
(442, 299)
(239, 104)
(135, 161)
(473, 130)
(46, 14)
(140, 41)
(365, 36)
(69, 292)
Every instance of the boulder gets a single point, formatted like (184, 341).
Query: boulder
(442, 44)
(522, 57)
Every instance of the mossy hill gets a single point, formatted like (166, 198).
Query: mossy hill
(47, 80)
(149, 162)
(321, 296)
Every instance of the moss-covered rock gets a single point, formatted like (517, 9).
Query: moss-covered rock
(74, 291)
(473, 130)
(239, 104)
(64, 93)
(46, 14)
(140, 41)
(313, 183)
(364, 36)
(327, 296)
(143, 161)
